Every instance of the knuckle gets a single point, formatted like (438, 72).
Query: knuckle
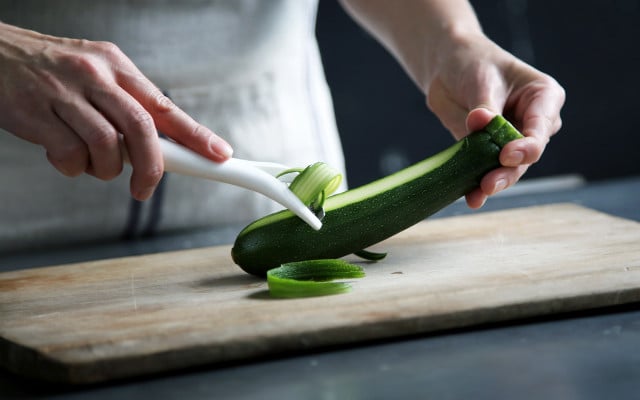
(536, 152)
(94, 61)
(152, 174)
(557, 125)
(141, 121)
(81, 64)
(548, 80)
(104, 137)
(539, 121)
(71, 158)
(199, 132)
(108, 49)
(160, 102)
(71, 150)
(562, 93)
(554, 86)
(201, 137)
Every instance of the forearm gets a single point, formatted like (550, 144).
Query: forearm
(416, 31)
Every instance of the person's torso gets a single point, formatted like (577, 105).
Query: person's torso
(248, 69)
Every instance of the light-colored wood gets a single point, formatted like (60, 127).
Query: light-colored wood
(116, 318)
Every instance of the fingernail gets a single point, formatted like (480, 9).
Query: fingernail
(515, 158)
(501, 184)
(220, 147)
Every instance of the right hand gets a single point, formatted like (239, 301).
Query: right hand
(76, 98)
(475, 80)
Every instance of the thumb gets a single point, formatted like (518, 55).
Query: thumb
(478, 118)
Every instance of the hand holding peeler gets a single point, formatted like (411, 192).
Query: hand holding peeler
(256, 176)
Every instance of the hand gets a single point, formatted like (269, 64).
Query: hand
(78, 98)
(474, 80)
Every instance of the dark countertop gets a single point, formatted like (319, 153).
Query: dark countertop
(587, 355)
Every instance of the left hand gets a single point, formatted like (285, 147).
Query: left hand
(474, 80)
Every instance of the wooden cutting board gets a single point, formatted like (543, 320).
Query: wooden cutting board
(102, 320)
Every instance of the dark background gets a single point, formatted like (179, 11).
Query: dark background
(591, 47)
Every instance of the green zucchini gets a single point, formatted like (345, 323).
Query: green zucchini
(364, 216)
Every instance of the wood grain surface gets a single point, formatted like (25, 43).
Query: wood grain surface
(116, 318)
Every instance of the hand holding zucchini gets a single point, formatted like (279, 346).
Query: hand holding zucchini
(364, 216)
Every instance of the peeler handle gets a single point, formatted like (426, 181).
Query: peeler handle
(243, 173)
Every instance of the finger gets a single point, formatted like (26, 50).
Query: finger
(140, 137)
(478, 118)
(476, 198)
(70, 156)
(99, 135)
(501, 178)
(64, 149)
(174, 122)
(525, 151)
(539, 107)
(183, 129)
(541, 115)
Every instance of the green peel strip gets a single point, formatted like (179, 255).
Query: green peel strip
(314, 183)
(311, 278)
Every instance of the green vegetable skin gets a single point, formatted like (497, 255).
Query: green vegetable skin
(311, 278)
(364, 216)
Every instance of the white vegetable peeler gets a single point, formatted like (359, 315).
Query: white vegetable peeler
(253, 175)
